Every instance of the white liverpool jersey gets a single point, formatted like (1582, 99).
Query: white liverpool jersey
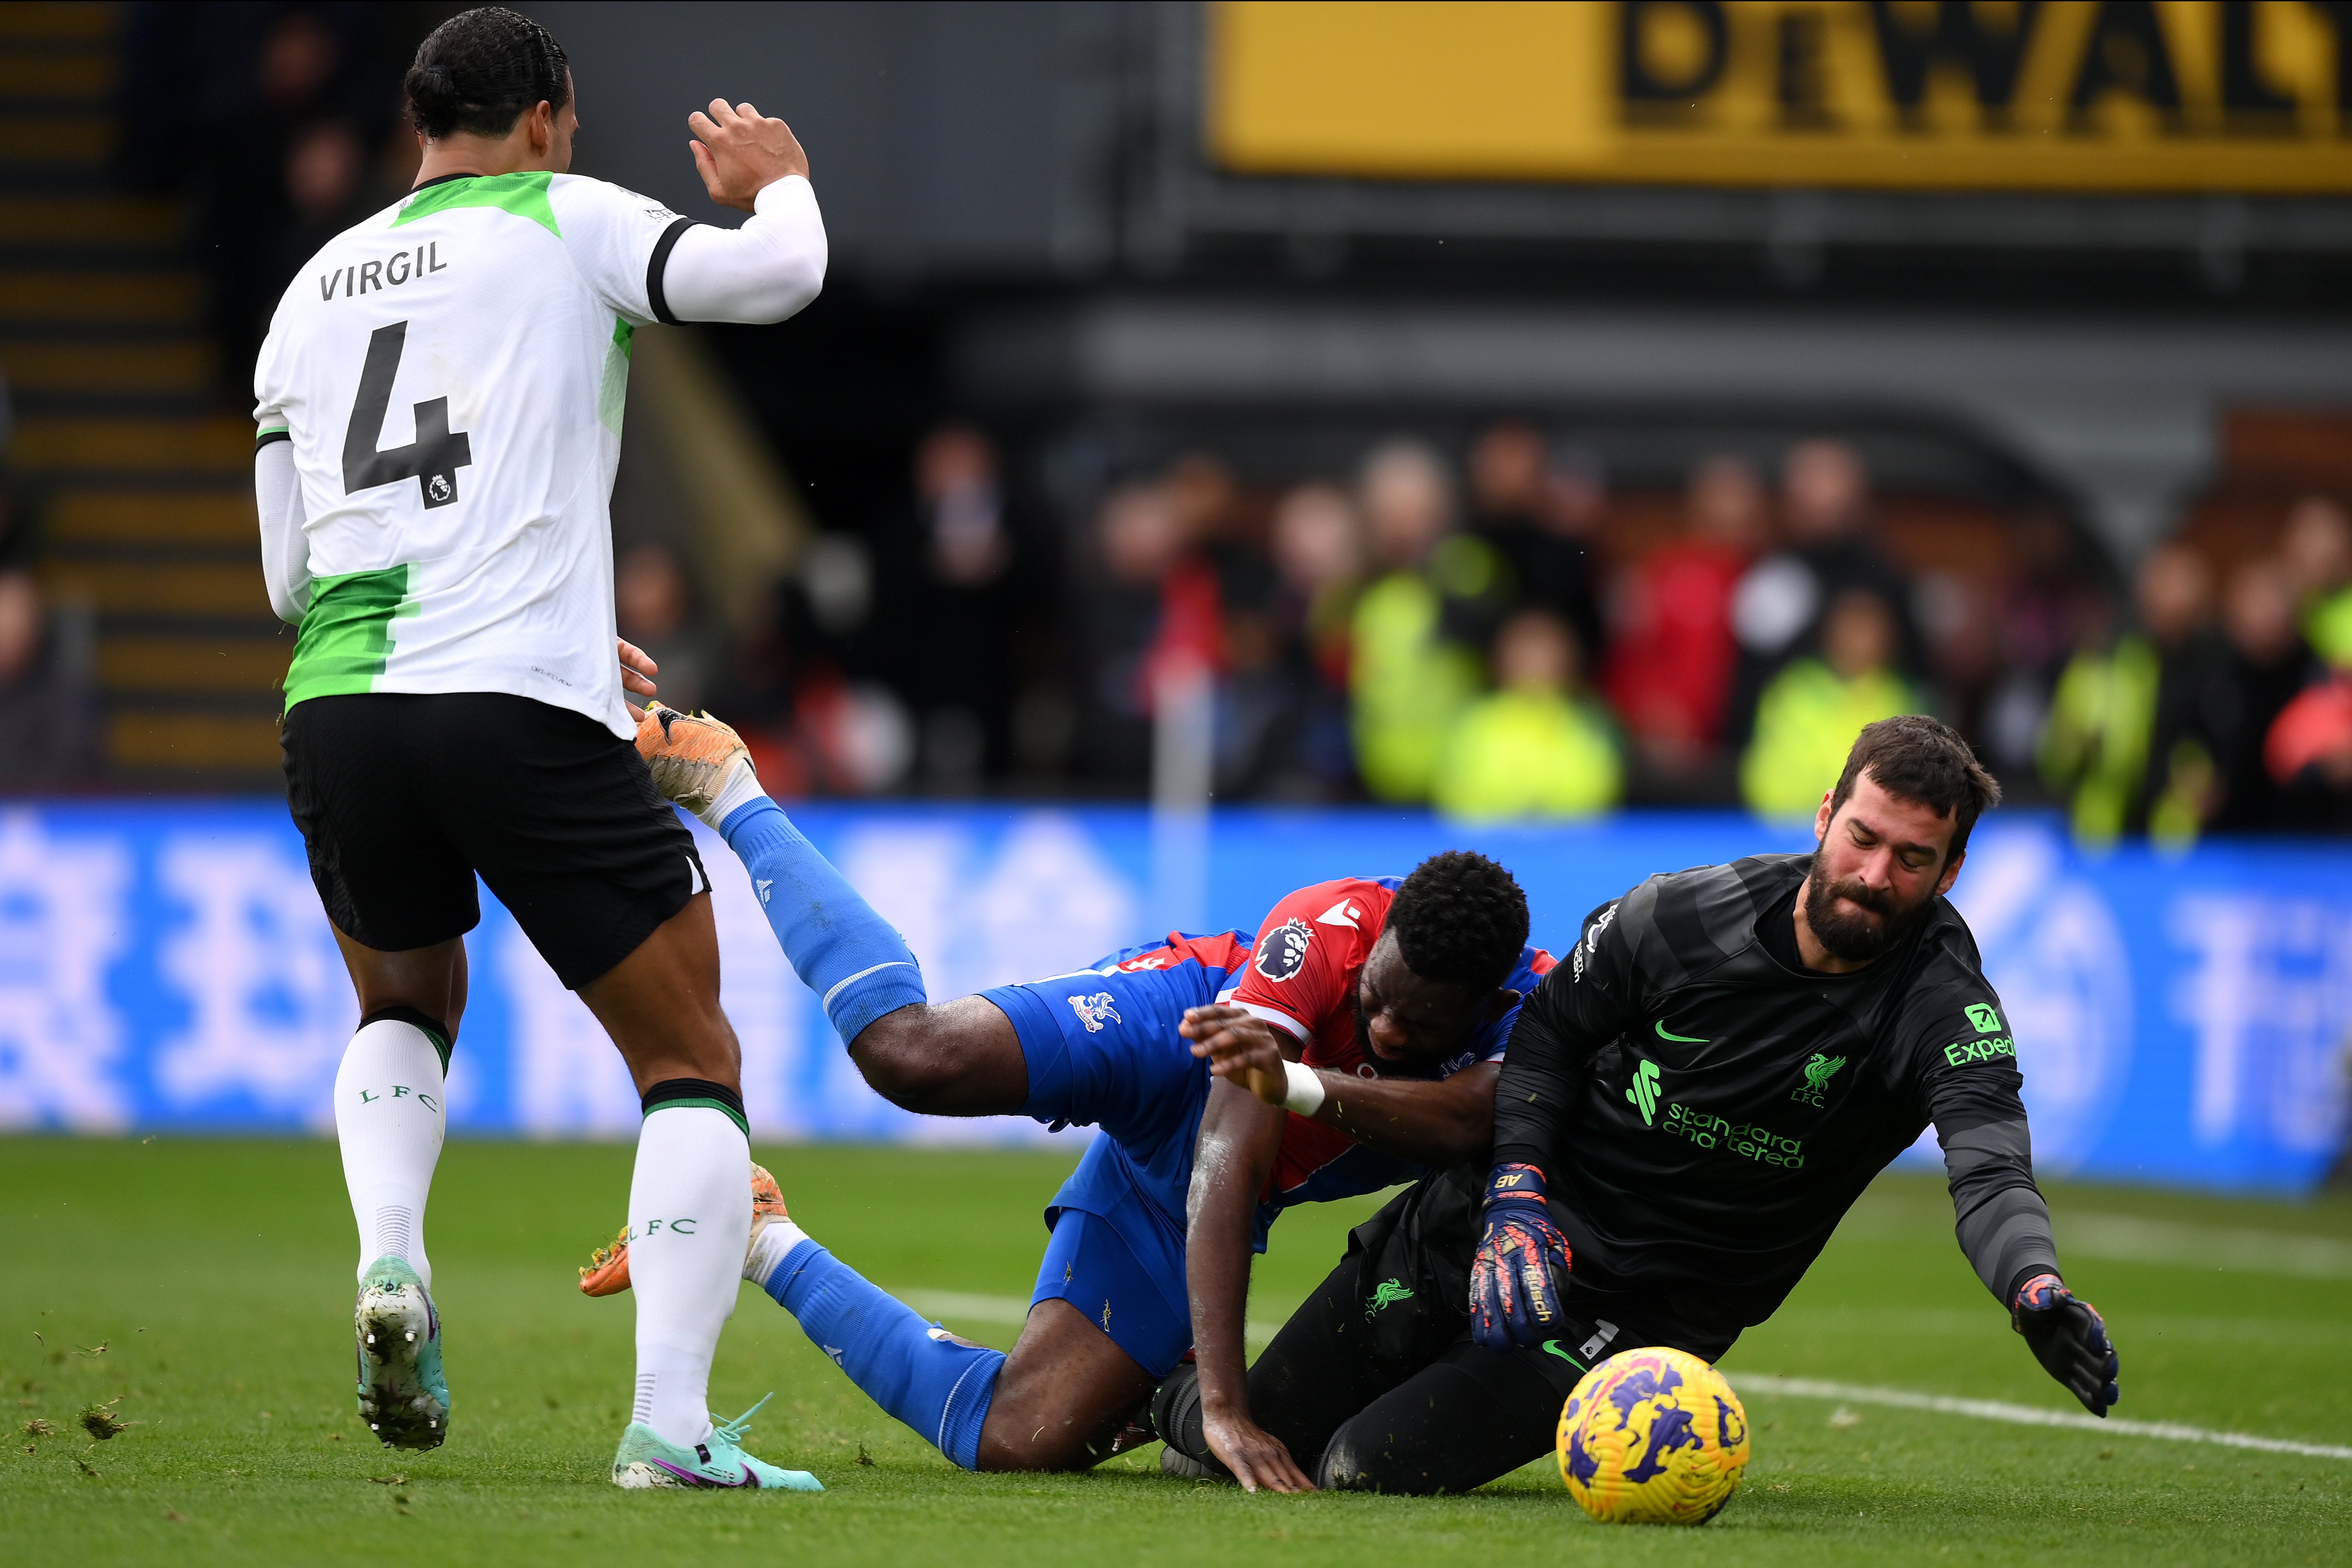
(451, 373)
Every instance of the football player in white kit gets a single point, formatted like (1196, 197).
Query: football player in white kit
(440, 405)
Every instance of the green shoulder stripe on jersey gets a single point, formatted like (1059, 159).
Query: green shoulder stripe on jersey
(524, 195)
(346, 635)
(614, 395)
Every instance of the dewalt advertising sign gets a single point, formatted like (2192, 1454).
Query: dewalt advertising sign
(2251, 96)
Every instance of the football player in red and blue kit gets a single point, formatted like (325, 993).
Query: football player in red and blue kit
(1386, 1070)
(1393, 1000)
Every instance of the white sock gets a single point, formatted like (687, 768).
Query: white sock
(742, 787)
(389, 1120)
(689, 1220)
(768, 1249)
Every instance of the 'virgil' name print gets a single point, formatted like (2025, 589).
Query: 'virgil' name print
(399, 268)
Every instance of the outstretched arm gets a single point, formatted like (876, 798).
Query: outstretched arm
(1999, 1217)
(2004, 1225)
(1239, 1137)
(1438, 1122)
(773, 265)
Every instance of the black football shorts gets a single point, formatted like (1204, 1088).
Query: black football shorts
(403, 797)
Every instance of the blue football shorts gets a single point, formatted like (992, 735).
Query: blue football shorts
(1103, 1050)
(1093, 1263)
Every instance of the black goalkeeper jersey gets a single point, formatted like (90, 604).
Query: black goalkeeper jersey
(1705, 1112)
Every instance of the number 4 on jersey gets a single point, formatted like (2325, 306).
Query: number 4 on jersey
(431, 459)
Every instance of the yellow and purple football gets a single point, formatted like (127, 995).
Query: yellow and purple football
(1652, 1437)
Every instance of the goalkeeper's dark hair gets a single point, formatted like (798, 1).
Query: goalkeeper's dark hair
(1926, 762)
(481, 70)
(1460, 917)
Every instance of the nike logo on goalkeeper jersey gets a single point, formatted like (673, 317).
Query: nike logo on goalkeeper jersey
(1683, 1039)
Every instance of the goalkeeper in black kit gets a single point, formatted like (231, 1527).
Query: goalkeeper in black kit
(1686, 1108)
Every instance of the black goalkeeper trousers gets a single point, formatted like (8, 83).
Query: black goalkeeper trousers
(1466, 1418)
(1356, 1419)
(1374, 1385)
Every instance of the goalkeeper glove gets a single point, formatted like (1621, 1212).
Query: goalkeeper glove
(2068, 1338)
(1513, 1283)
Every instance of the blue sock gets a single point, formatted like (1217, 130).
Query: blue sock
(841, 949)
(937, 1387)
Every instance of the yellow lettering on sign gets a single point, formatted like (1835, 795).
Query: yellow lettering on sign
(1917, 94)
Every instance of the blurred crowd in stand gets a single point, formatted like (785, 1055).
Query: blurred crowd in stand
(1508, 638)
(281, 124)
(1486, 641)
(2226, 710)
(917, 649)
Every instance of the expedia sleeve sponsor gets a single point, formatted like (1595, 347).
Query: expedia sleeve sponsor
(1984, 1037)
(1960, 1053)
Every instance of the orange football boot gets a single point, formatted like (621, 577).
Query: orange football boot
(607, 1271)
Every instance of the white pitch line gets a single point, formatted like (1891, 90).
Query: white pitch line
(2128, 1238)
(971, 1308)
(2028, 1416)
(1013, 1311)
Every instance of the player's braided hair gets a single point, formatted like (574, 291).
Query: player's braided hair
(1926, 761)
(1460, 917)
(481, 69)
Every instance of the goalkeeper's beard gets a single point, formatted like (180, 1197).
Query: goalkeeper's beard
(1846, 932)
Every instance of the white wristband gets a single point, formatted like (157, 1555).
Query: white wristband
(1306, 1096)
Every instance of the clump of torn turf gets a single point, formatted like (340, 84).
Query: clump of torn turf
(37, 1427)
(101, 1421)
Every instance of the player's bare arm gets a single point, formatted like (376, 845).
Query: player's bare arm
(1240, 1135)
(1242, 1048)
(1441, 1122)
(740, 152)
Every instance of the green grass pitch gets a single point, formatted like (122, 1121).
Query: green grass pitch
(201, 1290)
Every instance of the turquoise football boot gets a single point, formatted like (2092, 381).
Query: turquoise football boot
(645, 1460)
(404, 1398)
